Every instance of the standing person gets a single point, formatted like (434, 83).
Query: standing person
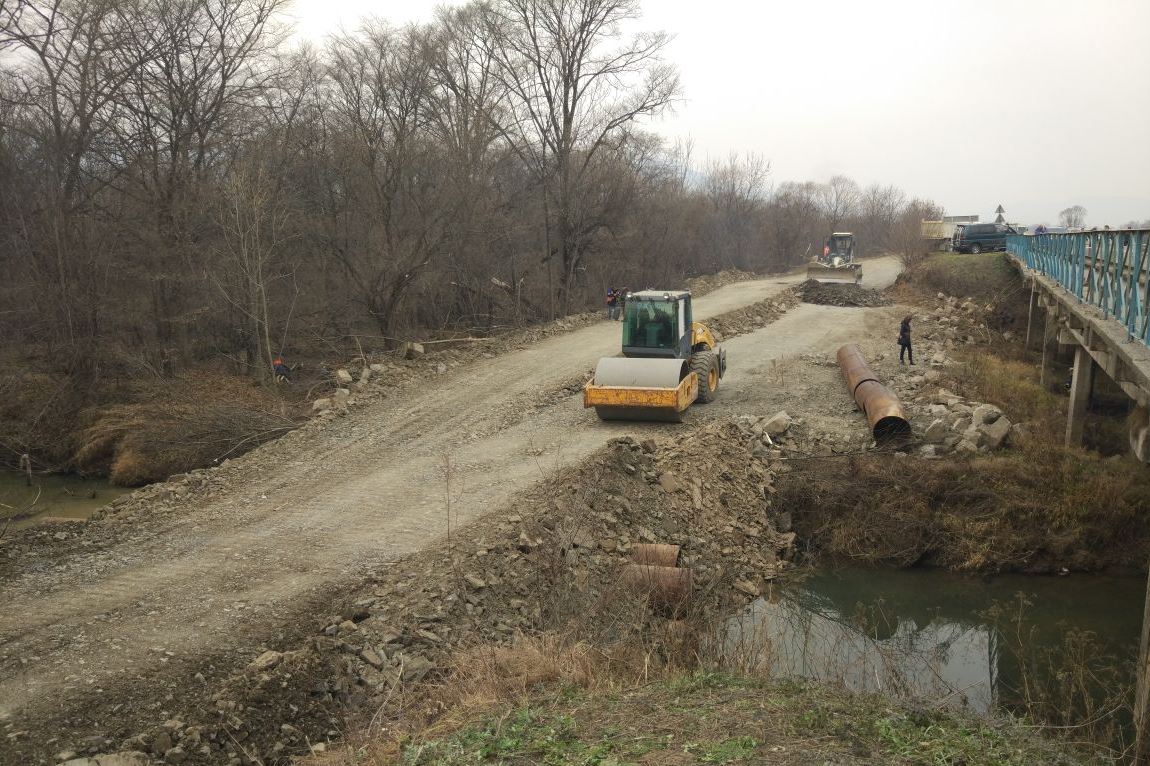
(622, 295)
(612, 303)
(904, 340)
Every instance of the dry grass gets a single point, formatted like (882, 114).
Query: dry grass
(138, 431)
(1013, 386)
(547, 701)
(140, 443)
(1036, 508)
(488, 675)
(985, 278)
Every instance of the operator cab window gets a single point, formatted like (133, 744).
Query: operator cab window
(651, 324)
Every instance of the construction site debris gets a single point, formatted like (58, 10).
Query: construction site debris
(753, 317)
(846, 295)
(576, 538)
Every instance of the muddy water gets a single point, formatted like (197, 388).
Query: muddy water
(51, 498)
(929, 634)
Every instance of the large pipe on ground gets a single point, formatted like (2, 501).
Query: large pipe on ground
(883, 411)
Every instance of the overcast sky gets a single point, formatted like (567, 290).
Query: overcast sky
(1033, 104)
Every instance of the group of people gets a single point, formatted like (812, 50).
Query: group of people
(616, 300)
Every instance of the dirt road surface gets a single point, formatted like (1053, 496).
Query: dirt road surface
(219, 579)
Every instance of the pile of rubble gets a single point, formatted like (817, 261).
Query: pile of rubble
(707, 283)
(952, 423)
(753, 317)
(836, 294)
(551, 563)
(964, 426)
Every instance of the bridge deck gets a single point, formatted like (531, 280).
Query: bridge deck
(1124, 358)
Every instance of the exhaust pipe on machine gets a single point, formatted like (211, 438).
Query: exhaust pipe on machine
(883, 411)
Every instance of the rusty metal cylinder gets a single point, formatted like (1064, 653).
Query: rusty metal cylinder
(883, 411)
(656, 554)
(666, 588)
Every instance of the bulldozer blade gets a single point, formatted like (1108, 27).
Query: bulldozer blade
(832, 274)
(655, 414)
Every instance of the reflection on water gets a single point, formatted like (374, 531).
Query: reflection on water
(56, 497)
(786, 639)
(923, 633)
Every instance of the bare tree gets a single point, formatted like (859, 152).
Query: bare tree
(737, 190)
(906, 237)
(575, 93)
(467, 106)
(253, 222)
(386, 223)
(193, 99)
(1073, 217)
(879, 210)
(74, 59)
(839, 201)
(793, 223)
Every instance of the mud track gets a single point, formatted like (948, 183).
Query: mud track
(148, 601)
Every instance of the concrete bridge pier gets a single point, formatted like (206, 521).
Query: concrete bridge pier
(1062, 323)
(1081, 385)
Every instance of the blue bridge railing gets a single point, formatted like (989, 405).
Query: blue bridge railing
(1109, 269)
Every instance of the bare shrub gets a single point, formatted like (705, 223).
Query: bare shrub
(482, 676)
(1072, 684)
(139, 443)
(1035, 508)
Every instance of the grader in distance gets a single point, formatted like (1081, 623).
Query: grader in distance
(837, 262)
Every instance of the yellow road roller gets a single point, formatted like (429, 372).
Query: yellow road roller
(669, 362)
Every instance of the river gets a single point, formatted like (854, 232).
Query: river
(55, 497)
(933, 635)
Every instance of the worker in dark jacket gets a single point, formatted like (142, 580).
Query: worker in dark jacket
(281, 370)
(905, 348)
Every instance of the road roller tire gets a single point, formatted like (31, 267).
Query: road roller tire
(705, 364)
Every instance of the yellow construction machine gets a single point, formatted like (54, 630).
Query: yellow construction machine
(669, 361)
(837, 262)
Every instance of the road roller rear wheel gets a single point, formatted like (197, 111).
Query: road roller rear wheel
(705, 364)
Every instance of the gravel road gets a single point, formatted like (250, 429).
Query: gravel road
(299, 524)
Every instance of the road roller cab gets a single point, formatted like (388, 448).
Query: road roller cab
(669, 361)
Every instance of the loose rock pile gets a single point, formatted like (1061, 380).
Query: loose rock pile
(835, 294)
(553, 563)
(701, 285)
(945, 421)
(753, 317)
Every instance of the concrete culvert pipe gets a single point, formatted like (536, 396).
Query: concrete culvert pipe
(883, 411)
(666, 588)
(655, 553)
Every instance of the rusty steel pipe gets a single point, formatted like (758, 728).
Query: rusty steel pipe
(655, 553)
(883, 411)
(666, 588)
